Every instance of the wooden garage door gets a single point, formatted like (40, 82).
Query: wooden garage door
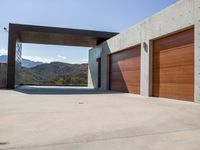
(125, 71)
(173, 66)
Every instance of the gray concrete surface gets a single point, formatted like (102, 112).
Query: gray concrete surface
(179, 16)
(197, 51)
(93, 67)
(84, 119)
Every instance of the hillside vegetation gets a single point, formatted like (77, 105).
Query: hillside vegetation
(55, 73)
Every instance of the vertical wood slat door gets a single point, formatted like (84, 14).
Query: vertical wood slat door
(173, 66)
(125, 71)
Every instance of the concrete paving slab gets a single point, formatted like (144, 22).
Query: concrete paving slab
(33, 118)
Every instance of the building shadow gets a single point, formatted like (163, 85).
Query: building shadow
(60, 90)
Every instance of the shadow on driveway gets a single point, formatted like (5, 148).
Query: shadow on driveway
(60, 90)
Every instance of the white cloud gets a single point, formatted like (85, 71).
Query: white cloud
(84, 61)
(61, 57)
(57, 59)
(3, 52)
(40, 59)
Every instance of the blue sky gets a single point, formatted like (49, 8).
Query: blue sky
(103, 15)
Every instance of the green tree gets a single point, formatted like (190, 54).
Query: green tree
(60, 81)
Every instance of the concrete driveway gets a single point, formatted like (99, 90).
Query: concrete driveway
(84, 119)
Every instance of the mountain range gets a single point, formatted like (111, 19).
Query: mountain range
(25, 62)
(55, 73)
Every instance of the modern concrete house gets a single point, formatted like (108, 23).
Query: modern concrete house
(157, 57)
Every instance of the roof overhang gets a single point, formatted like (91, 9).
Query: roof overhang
(59, 36)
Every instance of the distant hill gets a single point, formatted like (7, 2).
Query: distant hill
(29, 64)
(55, 73)
(25, 62)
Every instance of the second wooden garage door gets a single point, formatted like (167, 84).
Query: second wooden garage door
(125, 71)
(173, 66)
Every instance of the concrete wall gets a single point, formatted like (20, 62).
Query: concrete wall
(3, 75)
(197, 50)
(181, 15)
(93, 67)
